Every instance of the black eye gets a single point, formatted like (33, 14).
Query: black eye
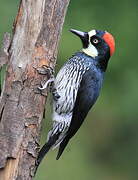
(95, 41)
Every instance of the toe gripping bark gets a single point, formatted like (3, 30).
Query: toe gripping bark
(49, 72)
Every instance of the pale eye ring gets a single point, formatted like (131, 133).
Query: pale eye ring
(95, 41)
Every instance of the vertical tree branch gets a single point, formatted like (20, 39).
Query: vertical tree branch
(35, 39)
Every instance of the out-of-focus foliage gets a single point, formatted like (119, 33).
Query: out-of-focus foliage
(106, 146)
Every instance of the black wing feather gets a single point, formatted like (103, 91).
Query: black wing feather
(86, 97)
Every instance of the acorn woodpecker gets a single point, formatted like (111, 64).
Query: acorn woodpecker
(77, 87)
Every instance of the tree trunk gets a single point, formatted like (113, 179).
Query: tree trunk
(34, 43)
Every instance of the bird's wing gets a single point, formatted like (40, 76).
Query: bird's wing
(86, 97)
(67, 84)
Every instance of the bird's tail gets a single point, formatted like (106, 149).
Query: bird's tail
(62, 147)
(46, 148)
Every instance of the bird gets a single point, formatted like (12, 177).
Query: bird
(77, 87)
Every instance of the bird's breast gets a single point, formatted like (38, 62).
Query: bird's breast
(69, 79)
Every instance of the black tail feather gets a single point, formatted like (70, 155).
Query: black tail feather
(46, 148)
(43, 152)
(62, 147)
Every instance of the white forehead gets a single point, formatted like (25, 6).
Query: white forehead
(92, 33)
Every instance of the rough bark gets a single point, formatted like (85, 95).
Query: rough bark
(34, 43)
(4, 50)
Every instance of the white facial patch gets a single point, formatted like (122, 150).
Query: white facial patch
(91, 33)
(91, 50)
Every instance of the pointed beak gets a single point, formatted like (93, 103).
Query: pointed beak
(83, 36)
(78, 33)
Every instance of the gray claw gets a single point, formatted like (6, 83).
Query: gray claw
(46, 84)
(45, 70)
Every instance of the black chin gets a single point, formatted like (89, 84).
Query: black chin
(83, 36)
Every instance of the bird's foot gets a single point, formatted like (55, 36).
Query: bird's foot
(49, 74)
(46, 70)
(41, 92)
(44, 85)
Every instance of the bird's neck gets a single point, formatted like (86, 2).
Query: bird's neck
(100, 61)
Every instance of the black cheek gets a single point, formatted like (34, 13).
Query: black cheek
(85, 41)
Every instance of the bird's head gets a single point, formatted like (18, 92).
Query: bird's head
(96, 43)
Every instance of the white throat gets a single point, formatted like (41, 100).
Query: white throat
(91, 51)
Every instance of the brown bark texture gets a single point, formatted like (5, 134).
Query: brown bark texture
(36, 34)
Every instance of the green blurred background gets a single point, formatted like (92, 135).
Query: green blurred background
(106, 146)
